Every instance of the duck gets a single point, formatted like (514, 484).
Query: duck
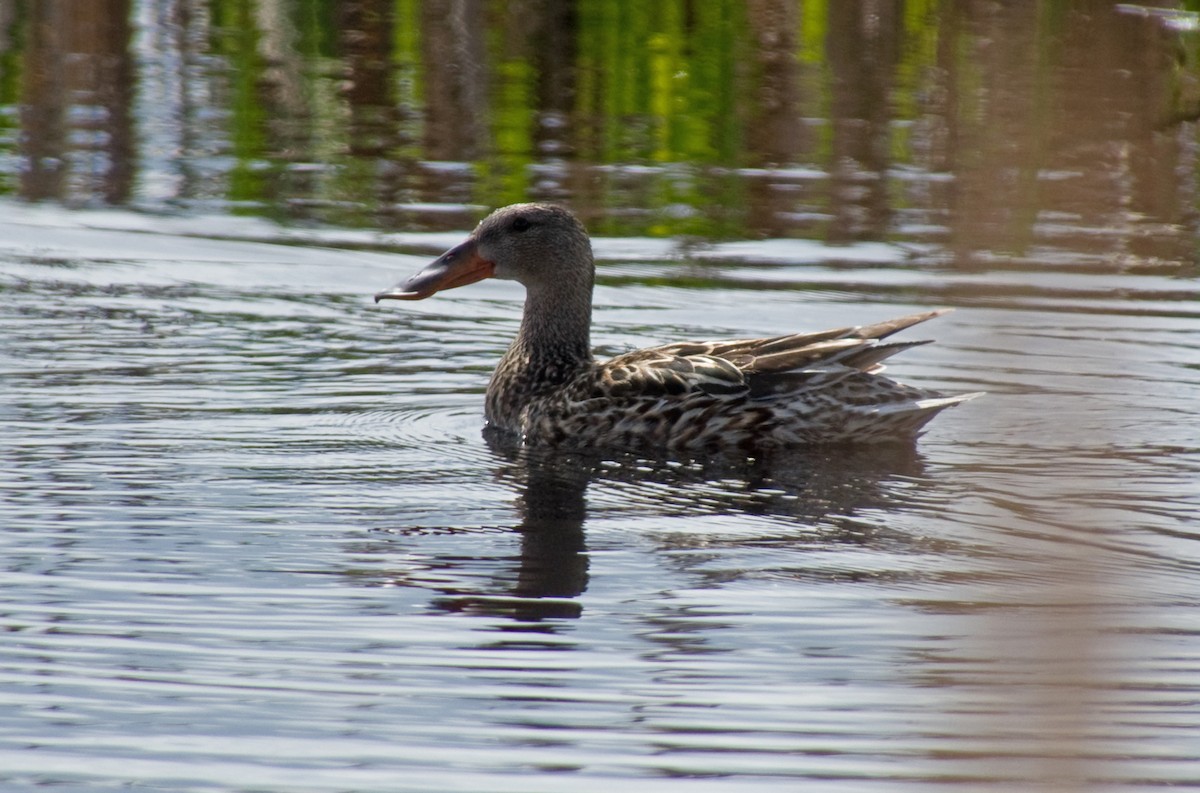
(799, 389)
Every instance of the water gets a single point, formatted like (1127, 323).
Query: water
(256, 540)
(253, 538)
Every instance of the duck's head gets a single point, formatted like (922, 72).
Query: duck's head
(535, 244)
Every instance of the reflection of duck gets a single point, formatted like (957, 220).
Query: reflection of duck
(790, 499)
(551, 504)
(788, 390)
(553, 567)
(785, 495)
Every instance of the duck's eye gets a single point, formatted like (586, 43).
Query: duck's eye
(520, 224)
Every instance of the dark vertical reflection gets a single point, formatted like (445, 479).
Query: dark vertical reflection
(554, 560)
(456, 107)
(533, 77)
(773, 132)
(552, 567)
(191, 29)
(555, 50)
(999, 128)
(9, 11)
(43, 132)
(861, 48)
(77, 138)
(552, 507)
(1116, 75)
(454, 52)
(365, 35)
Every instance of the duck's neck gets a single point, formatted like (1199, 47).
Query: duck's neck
(556, 325)
(552, 346)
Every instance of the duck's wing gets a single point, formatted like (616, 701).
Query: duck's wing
(671, 372)
(757, 367)
(859, 347)
(800, 388)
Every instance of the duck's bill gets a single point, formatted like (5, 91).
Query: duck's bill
(459, 266)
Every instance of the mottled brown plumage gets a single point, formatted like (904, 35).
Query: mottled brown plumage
(804, 388)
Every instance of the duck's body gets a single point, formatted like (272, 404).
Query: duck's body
(801, 389)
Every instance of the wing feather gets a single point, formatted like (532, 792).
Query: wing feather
(758, 368)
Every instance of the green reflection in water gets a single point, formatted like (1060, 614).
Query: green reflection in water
(238, 41)
(504, 177)
(717, 119)
(11, 46)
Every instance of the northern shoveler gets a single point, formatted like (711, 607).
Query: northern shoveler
(803, 388)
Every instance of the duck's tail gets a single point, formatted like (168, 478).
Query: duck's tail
(905, 419)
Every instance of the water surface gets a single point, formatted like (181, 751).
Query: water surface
(253, 538)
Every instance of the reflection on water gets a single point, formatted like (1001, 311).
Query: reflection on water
(252, 537)
(1000, 133)
(805, 486)
(238, 493)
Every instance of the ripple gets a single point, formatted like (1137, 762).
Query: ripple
(249, 516)
(455, 430)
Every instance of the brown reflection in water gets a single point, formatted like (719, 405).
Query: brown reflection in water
(365, 35)
(986, 194)
(774, 133)
(1056, 152)
(553, 42)
(1041, 125)
(861, 49)
(1062, 128)
(1026, 690)
(281, 84)
(456, 81)
(77, 136)
(375, 128)
(1117, 75)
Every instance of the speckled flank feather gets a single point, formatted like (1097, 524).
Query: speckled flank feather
(804, 388)
(801, 389)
